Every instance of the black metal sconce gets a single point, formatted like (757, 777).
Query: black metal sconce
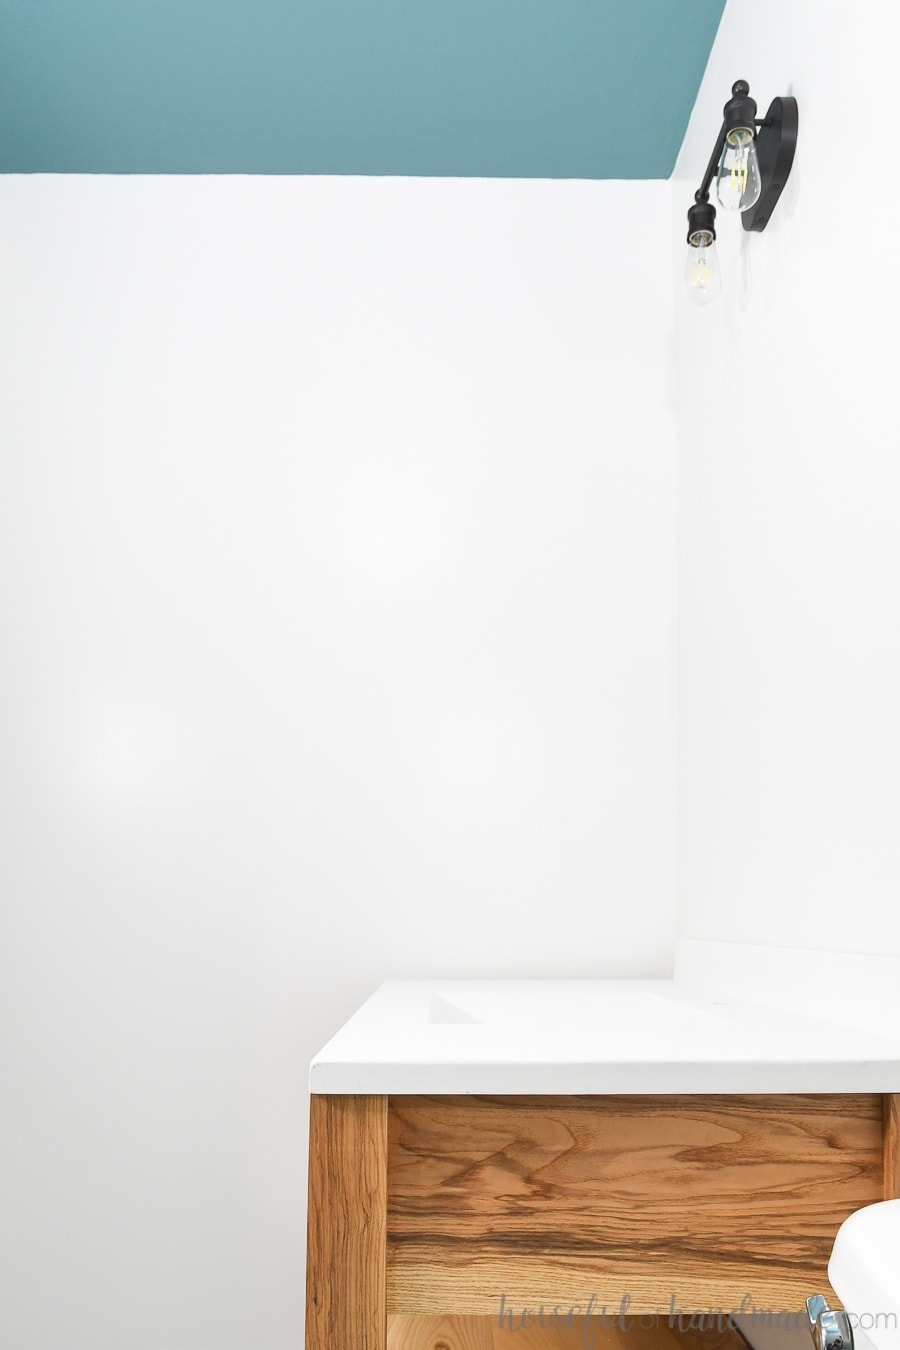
(751, 162)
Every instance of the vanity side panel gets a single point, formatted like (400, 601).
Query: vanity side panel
(891, 1106)
(346, 1227)
(671, 1202)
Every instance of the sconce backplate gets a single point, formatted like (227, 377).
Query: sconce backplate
(776, 141)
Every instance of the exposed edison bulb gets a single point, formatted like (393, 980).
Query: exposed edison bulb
(738, 182)
(702, 278)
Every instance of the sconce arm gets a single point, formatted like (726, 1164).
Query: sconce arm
(702, 193)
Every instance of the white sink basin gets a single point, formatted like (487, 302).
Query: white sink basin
(538, 1004)
(593, 1036)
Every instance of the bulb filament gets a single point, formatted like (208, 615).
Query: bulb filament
(739, 175)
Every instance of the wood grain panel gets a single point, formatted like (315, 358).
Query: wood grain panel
(345, 1266)
(594, 1335)
(704, 1199)
(891, 1106)
(412, 1332)
(441, 1333)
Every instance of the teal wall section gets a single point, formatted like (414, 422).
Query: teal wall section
(482, 88)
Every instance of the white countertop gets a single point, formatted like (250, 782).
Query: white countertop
(698, 1032)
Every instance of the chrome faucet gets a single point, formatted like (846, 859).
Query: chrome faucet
(830, 1327)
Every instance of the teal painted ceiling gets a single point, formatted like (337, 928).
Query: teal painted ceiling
(474, 88)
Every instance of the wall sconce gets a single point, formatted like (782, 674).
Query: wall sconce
(751, 162)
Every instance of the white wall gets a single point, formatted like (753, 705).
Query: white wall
(789, 504)
(337, 599)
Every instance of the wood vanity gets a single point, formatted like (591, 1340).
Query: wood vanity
(636, 1150)
(427, 1208)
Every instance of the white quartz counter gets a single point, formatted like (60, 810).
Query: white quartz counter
(720, 1025)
